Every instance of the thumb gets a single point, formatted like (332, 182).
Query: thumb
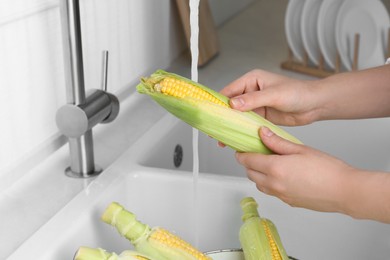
(252, 100)
(278, 144)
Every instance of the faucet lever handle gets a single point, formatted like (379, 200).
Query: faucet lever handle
(113, 100)
(104, 70)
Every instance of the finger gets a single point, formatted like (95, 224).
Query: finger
(259, 179)
(254, 100)
(278, 144)
(255, 161)
(256, 176)
(221, 144)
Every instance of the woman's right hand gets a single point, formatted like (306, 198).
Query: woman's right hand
(281, 100)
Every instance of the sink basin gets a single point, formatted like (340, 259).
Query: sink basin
(204, 211)
(212, 159)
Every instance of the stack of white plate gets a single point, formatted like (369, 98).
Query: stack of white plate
(328, 27)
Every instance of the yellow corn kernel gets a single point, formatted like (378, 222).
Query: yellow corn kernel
(272, 244)
(163, 237)
(180, 89)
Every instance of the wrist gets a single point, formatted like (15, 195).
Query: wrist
(318, 101)
(350, 193)
(368, 196)
(325, 95)
(361, 199)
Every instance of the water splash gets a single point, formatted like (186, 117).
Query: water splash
(194, 39)
(194, 43)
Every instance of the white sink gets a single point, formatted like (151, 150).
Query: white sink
(212, 159)
(143, 180)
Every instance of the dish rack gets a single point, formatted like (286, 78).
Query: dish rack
(319, 70)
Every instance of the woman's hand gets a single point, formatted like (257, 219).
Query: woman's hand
(287, 101)
(297, 174)
(279, 99)
(307, 178)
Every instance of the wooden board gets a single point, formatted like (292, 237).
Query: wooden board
(208, 38)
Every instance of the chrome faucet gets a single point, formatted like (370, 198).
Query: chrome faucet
(83, 110)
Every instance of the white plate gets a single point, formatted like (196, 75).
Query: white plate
(371, 20)
(293, 28)
(326, 28)
(310, 12)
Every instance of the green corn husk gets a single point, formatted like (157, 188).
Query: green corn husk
(236, 129)
(87, 253)
(156, 242)
(258, 236)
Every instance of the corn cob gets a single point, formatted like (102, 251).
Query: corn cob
(87, 253)
(157, 243)
(209, 111)
(258, 236)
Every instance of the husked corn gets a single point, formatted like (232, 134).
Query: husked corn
(258, 236)
(209, 112)
(157, 243)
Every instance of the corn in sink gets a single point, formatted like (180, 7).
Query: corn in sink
(157, 243)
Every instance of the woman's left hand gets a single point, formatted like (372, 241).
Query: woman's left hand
(297, 174)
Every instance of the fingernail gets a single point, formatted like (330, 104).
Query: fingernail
(237, 102)
(266, 131)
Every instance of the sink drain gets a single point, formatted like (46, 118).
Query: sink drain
(178, 156)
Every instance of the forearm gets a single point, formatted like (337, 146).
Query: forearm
(367, 196)
(353, 95)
